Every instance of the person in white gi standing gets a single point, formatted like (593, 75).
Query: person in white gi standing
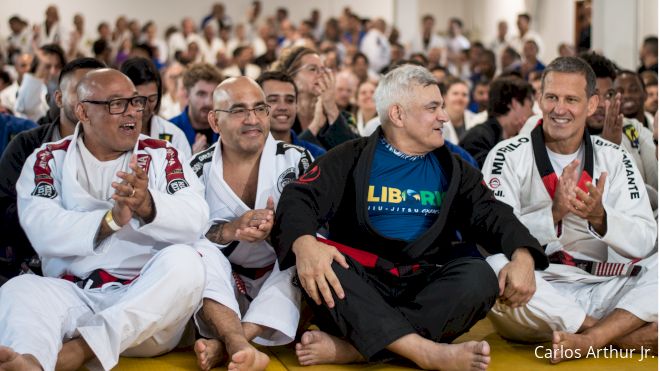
(584, 199)
(246, 297)
(109, 211)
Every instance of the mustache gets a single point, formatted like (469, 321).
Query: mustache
(560, 117)
(245, 129)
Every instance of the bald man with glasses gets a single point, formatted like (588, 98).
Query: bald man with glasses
(247, 297)
(112, 214)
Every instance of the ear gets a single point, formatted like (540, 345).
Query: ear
(81, 113)
(58, 98)
(592, 104)
(212, 122)
(513, 105)
(395, 114)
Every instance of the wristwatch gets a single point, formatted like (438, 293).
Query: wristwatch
(111, 221)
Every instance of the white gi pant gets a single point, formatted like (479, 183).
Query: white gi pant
(275, 305)
(142, 319)
(566, 295)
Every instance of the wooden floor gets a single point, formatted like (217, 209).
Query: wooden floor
(506, 356)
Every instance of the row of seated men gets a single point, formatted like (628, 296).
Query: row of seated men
(377, 235)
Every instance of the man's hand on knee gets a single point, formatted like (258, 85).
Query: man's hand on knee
(517, 281)
(314, 265)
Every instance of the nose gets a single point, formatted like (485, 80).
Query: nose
(442, 115)
(251, 117)
(560, 107)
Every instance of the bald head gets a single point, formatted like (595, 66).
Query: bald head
(240, 116)
(97, 81)
(231, 89)
(346, 85)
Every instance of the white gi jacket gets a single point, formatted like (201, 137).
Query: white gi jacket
(274, 302)
(519, 172)
(165, 130)
(637, 140)
(514, 168)
(62, 219)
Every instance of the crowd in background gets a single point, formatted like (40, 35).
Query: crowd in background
(357, 47)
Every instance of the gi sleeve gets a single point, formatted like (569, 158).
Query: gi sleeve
(307, 203)
(503, 178)
(332, 134)
(11, 164)
(182, 213)
(631, 227)
(649, 162)
(46, 222)
(491, 222)
(31, 97)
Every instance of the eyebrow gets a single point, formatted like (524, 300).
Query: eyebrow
(243, 105)
(115, 96)
(280, 95)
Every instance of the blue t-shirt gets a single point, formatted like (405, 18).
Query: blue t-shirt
(405, 192)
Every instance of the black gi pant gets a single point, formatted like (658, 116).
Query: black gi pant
(438, 303)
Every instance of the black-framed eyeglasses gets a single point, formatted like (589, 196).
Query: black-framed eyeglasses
(261, 112)
(118, 106)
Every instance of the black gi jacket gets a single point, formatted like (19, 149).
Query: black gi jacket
(11, 164)
(334, 190)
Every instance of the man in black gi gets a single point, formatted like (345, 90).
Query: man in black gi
(391, 274)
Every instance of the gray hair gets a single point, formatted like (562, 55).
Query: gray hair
(572, 65)
(397, 87)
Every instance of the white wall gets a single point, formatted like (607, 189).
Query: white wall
(491, 13)
(648, 18)
(619, 26)
(555, 22)
(170, 12)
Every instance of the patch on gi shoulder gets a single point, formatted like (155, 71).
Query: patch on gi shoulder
(44, 189)
(310, 176)
(198, 161)
(282, 147)
(494, 183)
(176, 185)
(287, 176)
(165, 136)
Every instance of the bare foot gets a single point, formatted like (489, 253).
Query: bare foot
(588, 323)
(209, 352)
(472, 355)
(645, 336)
(10, 361)
(248, 359)
(317, 347)
(567, 346)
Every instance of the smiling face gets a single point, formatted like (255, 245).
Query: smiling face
(422, 119)
(457, 98)
(632, 94)
(281, 97)
(245, 135)
(108, 136)
(365, 96)
(565, 108)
